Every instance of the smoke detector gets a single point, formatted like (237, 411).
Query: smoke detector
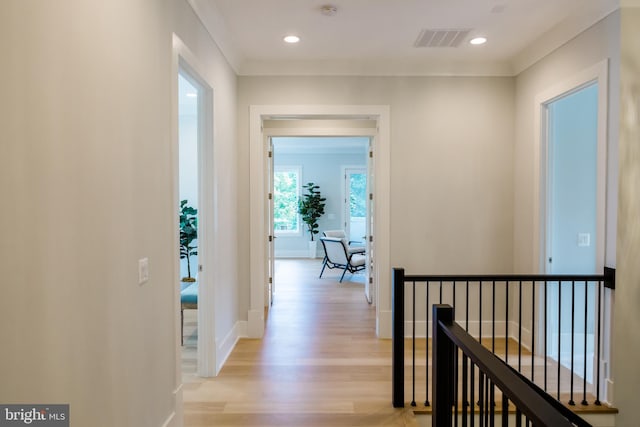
(329, 10)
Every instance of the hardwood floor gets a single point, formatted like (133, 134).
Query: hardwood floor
(319, 364)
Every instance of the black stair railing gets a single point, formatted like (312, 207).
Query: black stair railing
(529, 404)
(563, 330)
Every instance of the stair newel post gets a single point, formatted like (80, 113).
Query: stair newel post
(442, 368)
(397, 337)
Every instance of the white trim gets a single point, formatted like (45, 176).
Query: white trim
(171, 421)
(184, 59)
(599, 73)
(596, 73)
(226, 345)
(257, 162)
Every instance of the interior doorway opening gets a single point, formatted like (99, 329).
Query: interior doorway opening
(195, 192)
(573, 180)
(297, 161)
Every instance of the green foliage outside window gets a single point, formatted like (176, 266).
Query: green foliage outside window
(285, 200)
(358, 199)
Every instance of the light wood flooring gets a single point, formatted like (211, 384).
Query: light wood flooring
(319, 364)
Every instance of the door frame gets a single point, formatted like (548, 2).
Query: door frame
(259, 193)
(598, 73)
(185, 60)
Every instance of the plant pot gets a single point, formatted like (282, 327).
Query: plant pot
(313, 247)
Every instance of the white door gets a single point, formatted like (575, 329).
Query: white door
(271, 280)
(370, 285)
(572, 176)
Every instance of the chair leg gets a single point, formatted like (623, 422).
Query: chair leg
(345, 270)
(324, 264)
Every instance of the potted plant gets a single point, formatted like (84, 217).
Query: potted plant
(311, 207)
(188, 236)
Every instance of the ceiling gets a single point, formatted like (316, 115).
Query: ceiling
(376, 37)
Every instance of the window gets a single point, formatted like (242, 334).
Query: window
(286, 193)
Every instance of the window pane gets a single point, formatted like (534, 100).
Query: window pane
(358, 202)
(285, 200)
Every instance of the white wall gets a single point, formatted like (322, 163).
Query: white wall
(224, 220)
(86, 173)
(596, 44)
(86, 164)
(451, 162)
(626, 341)
(325, 170)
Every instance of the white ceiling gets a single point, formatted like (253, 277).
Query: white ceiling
(376, 37)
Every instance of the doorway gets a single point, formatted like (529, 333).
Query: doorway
(325, 162)
(321, 120)
(573, 134)
(194, 184)
(571, 227)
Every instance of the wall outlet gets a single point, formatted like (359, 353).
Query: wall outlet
(143, 270)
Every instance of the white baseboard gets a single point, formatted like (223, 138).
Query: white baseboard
(171, 420)
(383, 328)
(292, 253)
(225, 346)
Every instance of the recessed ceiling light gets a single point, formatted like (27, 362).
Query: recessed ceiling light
(478, 40)
(291, 39)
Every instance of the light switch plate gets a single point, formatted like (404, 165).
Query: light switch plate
(143, 270)
(584, 240)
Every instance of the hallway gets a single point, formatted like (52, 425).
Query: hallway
(319, 364)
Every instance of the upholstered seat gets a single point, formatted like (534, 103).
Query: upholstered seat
(188, 300)
(352, 249)
(338, 256)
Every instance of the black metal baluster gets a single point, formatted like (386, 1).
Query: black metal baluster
(426, 400)
(481, 396)
(413, 344)
(533, 322)
(520, 326)
(455, 382)
(472, 399)
(492, 405)
(573, 304)
(559, 331)
(546, 360)
(597, 402)
(493, 318)
(518, 418)
(453, 284)
(584, 376)
(466, 328)
(506, 323)
(486, 401)
(465, 389)
(480, 312)
(505, 411)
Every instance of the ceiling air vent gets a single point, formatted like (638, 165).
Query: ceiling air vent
(441, 38)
